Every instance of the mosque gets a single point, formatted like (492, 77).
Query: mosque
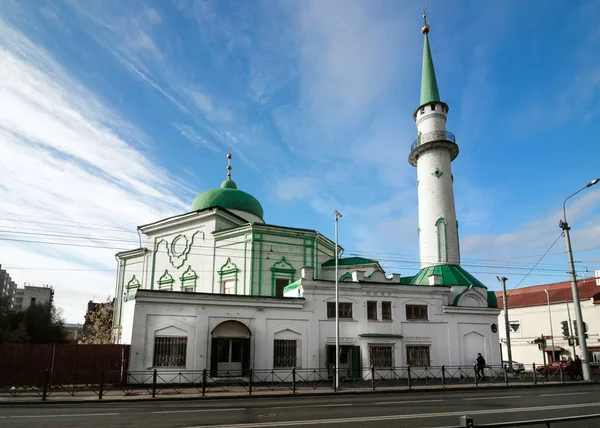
(217, 288)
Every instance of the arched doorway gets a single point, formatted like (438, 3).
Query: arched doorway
(230, 349)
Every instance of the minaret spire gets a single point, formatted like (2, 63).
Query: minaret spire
(229, 163)
(429, 87)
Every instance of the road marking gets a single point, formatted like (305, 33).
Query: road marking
(399, 417)
(493, 398)
(407, 401)
(200, 410)
(565, 393)
(311, 406)
(74, 415)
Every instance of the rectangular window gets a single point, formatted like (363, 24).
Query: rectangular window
(515, 326)
(345, 310)
(33, 300)
(229, 287)
(372, 310)
(188, 288)
(280, 284)
(416, 312)
(386, 311)
(170, 351)
(284, 353)
(417, 356)
(381, 356)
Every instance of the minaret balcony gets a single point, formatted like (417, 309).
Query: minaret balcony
(431, 140)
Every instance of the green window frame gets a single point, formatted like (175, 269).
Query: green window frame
(165, 282)
(189, 279)
(131, 288)
(228, 272)
(281, 270)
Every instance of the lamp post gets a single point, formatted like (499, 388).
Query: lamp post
(337, 306)
(506, 325)
(551, 331)
(576, 303)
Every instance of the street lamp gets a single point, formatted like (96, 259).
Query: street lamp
(551, 331)
(576, 303)
(337, 306)
(506, 325)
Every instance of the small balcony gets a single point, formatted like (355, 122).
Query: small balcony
(430, 140)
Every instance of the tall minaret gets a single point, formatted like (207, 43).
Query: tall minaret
(432, 153)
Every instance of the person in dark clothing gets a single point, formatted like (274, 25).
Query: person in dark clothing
(577, 368)
(480, 366)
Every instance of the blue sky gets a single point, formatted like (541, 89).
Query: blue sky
(115, 114)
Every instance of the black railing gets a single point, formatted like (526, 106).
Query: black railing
(163, 381)
(430, 137)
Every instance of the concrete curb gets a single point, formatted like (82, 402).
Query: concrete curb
(287, 395)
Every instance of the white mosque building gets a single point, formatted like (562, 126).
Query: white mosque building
(217, 288)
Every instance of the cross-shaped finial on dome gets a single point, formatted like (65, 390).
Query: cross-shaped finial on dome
(426, 27)
(229, 163)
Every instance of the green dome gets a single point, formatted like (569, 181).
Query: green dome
(229, 197)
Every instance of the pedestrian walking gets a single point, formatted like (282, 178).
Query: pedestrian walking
(480, 366)
(577, 368)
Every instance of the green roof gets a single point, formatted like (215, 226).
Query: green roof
(429, 87)
(349, 261)
(492, 299)
(229, 197)
(451, 275)
(406, 280)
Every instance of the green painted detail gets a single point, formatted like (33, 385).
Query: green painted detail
(229, 197)
(417, 183)
(345, 276)
(177, 257)
(132, 287)
(245, 261)
(450, 275)
(442, 236)
(406, 280)
(418, 230)
(260, 257)
(189, 278)
(348, 261)
(452, 177)
(281, 269)
(396, 336)
(165, 282)
(437, 173)
(429, 87)
(293, 286)
(492, 300)
(228, 271)
(252, 264)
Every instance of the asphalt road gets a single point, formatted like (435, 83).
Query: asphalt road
(422, 409)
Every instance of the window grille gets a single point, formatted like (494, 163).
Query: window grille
(284, 353)
(416, 312)
(417, 356)
(345, 310)
(386, 311)
(372, 310)
(381, 356)
(170, 351)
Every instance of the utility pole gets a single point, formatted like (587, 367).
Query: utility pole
(507, 327)
(337, 307)
(551, 330)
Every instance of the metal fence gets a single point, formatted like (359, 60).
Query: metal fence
(163, 381)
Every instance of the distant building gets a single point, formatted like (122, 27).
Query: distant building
(74, 333)
(7, 286)
(32, 295)
(529, 318)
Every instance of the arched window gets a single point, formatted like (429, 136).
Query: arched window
(442, 244)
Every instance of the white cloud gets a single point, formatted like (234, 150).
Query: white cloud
(68, 159)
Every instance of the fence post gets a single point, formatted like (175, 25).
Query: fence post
(562, 375)
(294, 380)
(443, 375)
(45, 386)
(475, 372)
(373, 378)
(154, 377)
(409, 377)
(203, 382)
(101, 390)
(534, 375)
(250, 376)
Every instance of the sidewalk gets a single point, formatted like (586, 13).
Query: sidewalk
(66, 396)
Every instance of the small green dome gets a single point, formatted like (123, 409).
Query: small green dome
(229, 197)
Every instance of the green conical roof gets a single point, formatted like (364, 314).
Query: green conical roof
(429, 87)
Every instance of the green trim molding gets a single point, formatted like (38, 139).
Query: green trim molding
(189, 277)
(349, 261)
(281, 270)
(441, 225)
(345, 276)
(132, 287)
(228, 271)
(293, 286)
(165, 282)
(382, 335)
